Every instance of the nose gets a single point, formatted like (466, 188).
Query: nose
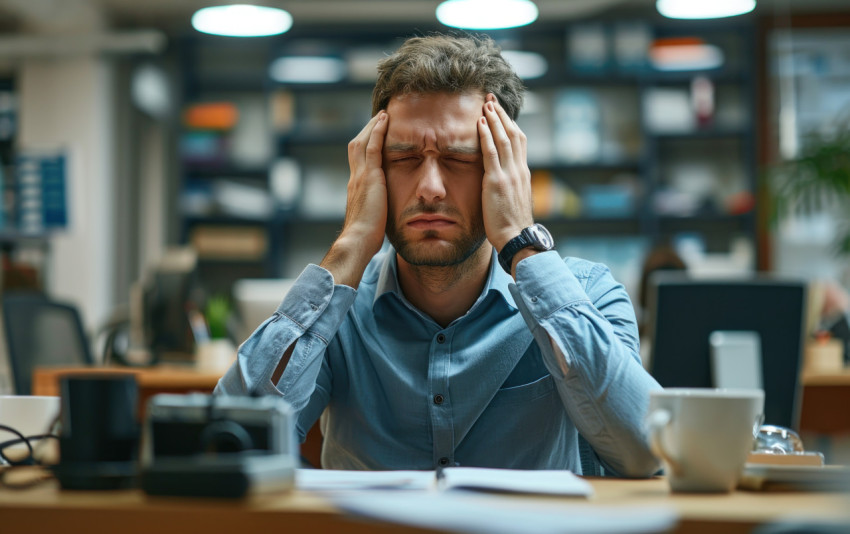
(430, 186)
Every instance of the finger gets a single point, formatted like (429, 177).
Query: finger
(518, 139)
(375, 145)
(497, 129)
(357, 146)
(515, 134)
(488, 147)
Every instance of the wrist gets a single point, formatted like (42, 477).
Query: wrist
(535, 237)
(506, 235)
(347, 260)
(500, 241)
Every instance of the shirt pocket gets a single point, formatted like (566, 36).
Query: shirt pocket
(525, 393)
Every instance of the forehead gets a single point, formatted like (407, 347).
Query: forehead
(444, 116)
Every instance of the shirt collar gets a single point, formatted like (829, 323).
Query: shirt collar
(498, 280)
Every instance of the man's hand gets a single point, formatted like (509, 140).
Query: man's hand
(506, 188)
(366, 206)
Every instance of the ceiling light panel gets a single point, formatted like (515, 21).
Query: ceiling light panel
(486, 14)
(242, 20)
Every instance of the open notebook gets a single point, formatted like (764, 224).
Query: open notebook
(548, 482)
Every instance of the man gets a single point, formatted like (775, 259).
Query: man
(438, 358)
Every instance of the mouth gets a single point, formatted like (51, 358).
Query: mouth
(430, 222)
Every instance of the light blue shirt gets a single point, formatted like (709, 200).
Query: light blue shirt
(513, 383)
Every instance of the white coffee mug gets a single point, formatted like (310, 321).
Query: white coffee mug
(703, 435)
(29, 415)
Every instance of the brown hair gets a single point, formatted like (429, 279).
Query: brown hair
(453, 64)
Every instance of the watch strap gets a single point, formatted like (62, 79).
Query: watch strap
(526, 238)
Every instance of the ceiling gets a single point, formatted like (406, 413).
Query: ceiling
(28, 17)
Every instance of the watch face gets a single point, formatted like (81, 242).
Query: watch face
(542, 236)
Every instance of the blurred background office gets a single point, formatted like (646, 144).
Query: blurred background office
(146, 165)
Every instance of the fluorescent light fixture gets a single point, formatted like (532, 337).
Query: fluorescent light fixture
(242, 20)
(704, 9)
(307, 69)
(486, 14)
(685, 55)
(527, 65)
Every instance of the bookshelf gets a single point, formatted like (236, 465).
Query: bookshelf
(643, 168)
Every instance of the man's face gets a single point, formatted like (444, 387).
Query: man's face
(433, 164)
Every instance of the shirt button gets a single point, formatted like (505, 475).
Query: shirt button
(444, 461)
(438, 399)
(533, 299)
(441, 338)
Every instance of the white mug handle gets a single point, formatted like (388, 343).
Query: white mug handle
(657, 421)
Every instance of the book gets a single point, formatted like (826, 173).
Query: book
(549, 482)
(546, 482)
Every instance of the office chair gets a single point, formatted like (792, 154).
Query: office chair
(41, 332)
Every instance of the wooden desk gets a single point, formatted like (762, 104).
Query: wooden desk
(825, 400)
(46, 509)
(150, 380)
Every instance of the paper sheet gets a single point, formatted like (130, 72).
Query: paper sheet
(550, 482)
(338, 480)
(497, 514)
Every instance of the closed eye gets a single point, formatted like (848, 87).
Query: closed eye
(462, 161)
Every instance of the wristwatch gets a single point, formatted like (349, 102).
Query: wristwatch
(535, 236)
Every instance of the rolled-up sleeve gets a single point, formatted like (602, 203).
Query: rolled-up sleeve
(587, 332)
(309, 316)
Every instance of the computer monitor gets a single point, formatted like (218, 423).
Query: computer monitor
(685, 312)
(160, 307)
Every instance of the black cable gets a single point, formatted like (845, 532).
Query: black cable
(52, 433)
(29, 460)
(48, 475)
(20, 439)
(26, 440)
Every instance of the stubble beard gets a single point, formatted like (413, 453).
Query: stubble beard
(456, 253)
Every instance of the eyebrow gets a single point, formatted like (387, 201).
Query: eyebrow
(464, 150)
(401, 147)
(453, 149)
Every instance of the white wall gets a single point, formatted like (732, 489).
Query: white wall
(65, 103)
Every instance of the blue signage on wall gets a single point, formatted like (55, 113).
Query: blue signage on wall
(41, 199)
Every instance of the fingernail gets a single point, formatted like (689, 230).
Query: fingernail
(490, 106)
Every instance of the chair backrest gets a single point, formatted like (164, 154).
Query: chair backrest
(41, 332)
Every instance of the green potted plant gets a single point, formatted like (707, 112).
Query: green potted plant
(217, 353)
(816, 180)
(217, 313)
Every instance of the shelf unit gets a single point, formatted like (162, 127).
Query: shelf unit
(639, 169)
(8, 120)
